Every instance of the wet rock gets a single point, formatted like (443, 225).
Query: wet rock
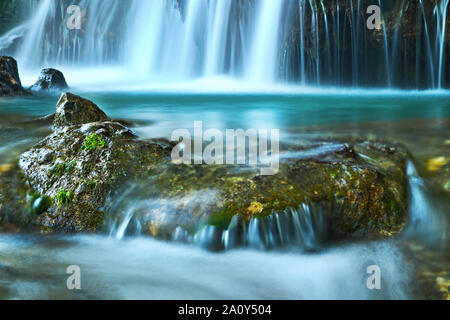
(74, 110)
(50, 79)
(14, 213)
(10, 84)
(354, 188)
(82, 162)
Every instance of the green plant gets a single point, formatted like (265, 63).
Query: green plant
(59, 168)
(92, 142)
(69, 166)
(63, 197)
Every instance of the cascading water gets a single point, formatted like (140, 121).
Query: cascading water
(263, 54)
(35, 31)
(424, 218)
(304, 228)
(309, 41)
(442, 32)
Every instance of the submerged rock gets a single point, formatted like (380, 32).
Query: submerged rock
(81, 162)
(50, 79)
(10, 84)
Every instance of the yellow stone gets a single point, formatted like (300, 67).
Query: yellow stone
(435, 164)
(255, 208)
(153, 228)
(5, 167)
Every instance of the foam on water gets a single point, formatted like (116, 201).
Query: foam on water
(117, 79)
(148, 269)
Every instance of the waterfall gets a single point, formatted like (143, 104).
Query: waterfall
(312, 42)
(304, 228)
(442, 32)
(143, 46)
(35, 31)
(425, 219)
(386, 50)
(215, 58)
(263, 57)
(301, 7)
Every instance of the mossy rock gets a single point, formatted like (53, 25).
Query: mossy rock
(59, 166)
(363, 185)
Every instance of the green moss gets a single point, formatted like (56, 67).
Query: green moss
(92, 183)
(61, 168)
(63, 197)
(69, 166)
(91, 220)
(58, 169)
(220, 219)
(93, 142)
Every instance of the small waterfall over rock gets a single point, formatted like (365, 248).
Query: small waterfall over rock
(425, 220)
(305, 228)
(319, 43)
(139, 210)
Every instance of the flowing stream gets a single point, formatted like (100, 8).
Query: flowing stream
(276, 258)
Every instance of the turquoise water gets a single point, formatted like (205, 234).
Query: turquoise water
(245, 110)
(418, 119)
(166, 112)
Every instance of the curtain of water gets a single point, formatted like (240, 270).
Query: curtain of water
(309, 41)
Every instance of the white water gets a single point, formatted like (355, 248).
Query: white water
(263, 55)
(443, 26)
(425, 220)
(35, 31)
(147, 269)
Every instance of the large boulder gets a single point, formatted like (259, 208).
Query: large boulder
(81, 163)
(10, 84)
(350, 189)
(50, 80)
(74, 110)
